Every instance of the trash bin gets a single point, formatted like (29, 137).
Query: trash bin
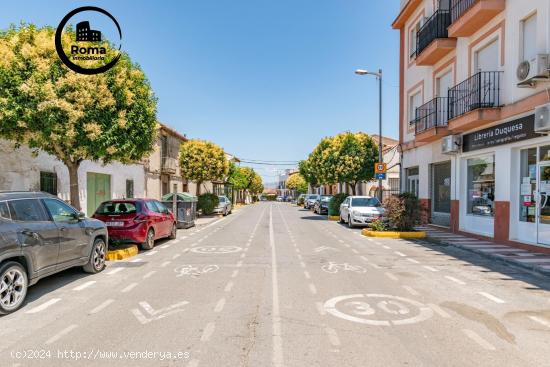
(186, 207)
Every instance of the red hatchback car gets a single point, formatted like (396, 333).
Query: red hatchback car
(137, 221)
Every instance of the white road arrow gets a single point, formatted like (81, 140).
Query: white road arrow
(158, 314)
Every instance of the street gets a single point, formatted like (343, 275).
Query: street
(275, 285)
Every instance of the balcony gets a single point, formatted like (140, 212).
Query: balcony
(468, 16)
(169, 165)
(432, 39)
(476, 101)
(431, 120)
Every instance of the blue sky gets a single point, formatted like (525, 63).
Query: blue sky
(264, 79)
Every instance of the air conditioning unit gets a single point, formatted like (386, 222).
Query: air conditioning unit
(531, 71)
(451, 144)
(542, 119)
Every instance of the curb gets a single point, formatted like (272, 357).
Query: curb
(501, 260)
(393, 234)
(334, 217)
(123, 253)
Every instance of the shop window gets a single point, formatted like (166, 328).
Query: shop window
(528, 184)
(441, 198)
(545, 153)
(481, 186)
(412, 180)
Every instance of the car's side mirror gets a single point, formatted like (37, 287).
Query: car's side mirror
(79, 216)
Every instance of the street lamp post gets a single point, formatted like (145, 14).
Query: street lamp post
(378, 76)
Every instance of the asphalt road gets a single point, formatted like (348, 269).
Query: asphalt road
(274, 285)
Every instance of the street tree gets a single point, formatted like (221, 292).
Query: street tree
(202, 161)
(297, 182)
(305, 169)
(104, 117)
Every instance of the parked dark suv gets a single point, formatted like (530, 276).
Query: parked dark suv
(41, 235)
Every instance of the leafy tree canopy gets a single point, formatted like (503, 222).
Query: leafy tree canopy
(297, 182)
(202, 161)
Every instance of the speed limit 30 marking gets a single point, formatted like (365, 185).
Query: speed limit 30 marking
(378, 309)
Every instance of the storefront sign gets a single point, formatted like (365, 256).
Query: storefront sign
(509, 132)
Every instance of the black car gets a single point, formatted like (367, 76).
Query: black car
(321, 205)
(41, 235)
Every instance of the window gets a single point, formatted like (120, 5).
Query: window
(129, 188)
(412, 180)
(441, 187)
(415, 101)
(545, 153)
(48, 182)
(528, 184)
(481, 185)
(60, 211)
(364, 202)
(152, 207)
(160, 207)
(394, 184)
(27, 210)
(413, 39)
(486, 59)
(117, 208)
(529, 38)
(4, 211)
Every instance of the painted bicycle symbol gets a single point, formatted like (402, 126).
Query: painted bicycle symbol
(216, 249)
(195, 271)
(334, 268)
(378, 309)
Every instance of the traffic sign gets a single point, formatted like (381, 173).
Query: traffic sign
(380, 167)
(380, 176)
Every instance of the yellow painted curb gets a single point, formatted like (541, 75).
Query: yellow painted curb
(123, 253)
(333, 217)
(393, 234)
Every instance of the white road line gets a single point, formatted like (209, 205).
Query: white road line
(101, 306)
(84, 285)
(302, 264)
(306, 274)
(228, 287)
(299, 257)
(176, 256)
(333, 337)
(164, 264)
(341, 241)
(320, 308)
(540, 321)
(114, 271)
(391, 276)
(453, 279)
(370, 240)
(478, 339)
(149, 274)
(413, 261)
(219, 305)
(129, 288)
(364, 258)
(243, 255)
(61, 334)
(234, 274)
(136, 260)
(208, 331)
(375, 266)
(438, 310)
(354, 251)
(312, 288)
(411, 290)
(164, 246)
(386, 247)
(278, 360)
(347, 245)
(491, 297)
(297, 250)
(44, 305)
(399, 253)
(150, 253)
(430, 268)
(240, 263)
(193, 363)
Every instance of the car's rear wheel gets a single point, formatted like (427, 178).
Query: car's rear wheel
(341, 219)
(13, 286)
(173, 232)
(96, 263)
(149, 240)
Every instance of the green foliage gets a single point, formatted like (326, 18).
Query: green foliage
(237, 177)
(403, 212)
(335, 202)
(271, 197)
(301, 200)
(304, 167)
(207, 202)
(245, 178)
(379, 225)
(202, 161)
(297, 182)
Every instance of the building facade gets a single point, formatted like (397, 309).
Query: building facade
(472, 74)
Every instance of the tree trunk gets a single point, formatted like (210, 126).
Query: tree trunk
(352, 186)
(199, 183)
(73, 184)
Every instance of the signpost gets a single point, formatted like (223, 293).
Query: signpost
(380, 170)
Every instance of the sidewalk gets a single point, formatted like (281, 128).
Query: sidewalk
(534, 261)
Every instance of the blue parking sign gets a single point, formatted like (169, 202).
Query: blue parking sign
(380, 176)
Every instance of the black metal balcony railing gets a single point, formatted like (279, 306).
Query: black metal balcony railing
(434, 113)
(459, 7)
(481, 90)
(435, 27)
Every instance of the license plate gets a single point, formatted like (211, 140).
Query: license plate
(115, 224)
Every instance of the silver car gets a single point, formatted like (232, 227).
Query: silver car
(224, 207)
(360, 210)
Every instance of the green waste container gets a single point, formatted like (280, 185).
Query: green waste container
(186, 208)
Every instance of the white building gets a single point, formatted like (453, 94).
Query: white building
(21, 170)
(458, 76)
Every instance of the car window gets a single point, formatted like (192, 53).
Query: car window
(152, 207)
(222, 199)
(4, 211)
(161, 208)
(60, 211)
(27, 210)
(363, 202)
(117, 208)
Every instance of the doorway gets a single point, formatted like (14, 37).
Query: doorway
(543, 204)
(98, 190)
(441, 193)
